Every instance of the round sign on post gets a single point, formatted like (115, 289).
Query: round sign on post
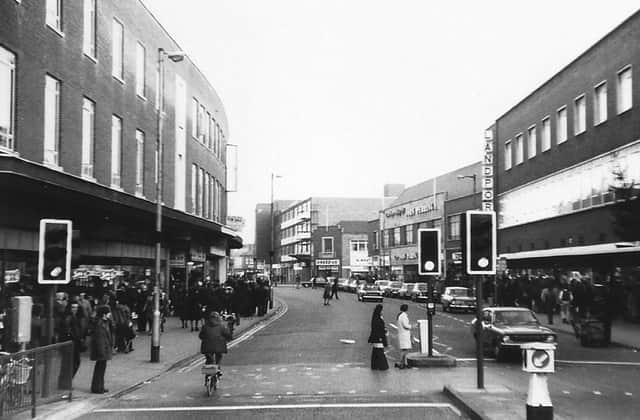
(540, 359)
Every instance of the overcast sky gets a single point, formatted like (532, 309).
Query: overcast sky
(342, 96)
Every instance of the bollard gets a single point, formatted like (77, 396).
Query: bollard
(424, 339)
(538, 360)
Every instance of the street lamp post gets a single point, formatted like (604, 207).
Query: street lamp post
(271, 246)
(155, 337)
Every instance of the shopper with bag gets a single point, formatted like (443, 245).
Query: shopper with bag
(378, 338)
(404, 336)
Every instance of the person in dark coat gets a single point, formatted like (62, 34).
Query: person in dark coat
(101, 348)
(378, 338)
(334, 289)
(326, 294)
(75, 330)
(214, 337)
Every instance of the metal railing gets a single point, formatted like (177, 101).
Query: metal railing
(36, 376)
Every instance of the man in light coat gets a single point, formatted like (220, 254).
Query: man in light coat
(404, 336)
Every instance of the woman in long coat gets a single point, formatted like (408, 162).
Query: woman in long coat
(404, 336)
(378, 338)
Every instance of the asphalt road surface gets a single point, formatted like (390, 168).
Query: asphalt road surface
(313, 362)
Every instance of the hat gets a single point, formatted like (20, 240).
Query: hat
(102, 310)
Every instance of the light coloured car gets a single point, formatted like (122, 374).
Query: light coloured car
(458, 299)
(343, 284)
(368, 291)
(405, 291)
(504, 329)
(392, 289)
(419, 292)
(382, 284)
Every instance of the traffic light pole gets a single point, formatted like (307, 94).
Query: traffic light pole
(479, 338)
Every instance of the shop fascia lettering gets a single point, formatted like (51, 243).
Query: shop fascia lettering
(414, 211)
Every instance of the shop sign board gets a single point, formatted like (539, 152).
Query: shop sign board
(12, 276)
(198, 255)
(327, 263)
(177, 259)
(423, 209)
(487, 172)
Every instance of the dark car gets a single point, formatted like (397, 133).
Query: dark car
(369, 292)
(419, 292)
(319, 281)
(506, 328)
(458, 298)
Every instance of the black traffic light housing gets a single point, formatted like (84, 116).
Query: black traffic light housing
(429, 252)
(54, 251)
(479, 242)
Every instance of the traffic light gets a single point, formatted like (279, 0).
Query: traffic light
(54, 252)
(480, 242)
(429, 249)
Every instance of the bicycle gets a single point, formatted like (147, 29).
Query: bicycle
(211, 378)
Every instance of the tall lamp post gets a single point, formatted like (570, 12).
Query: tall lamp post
(473, 177)
(174, 56)
(271, 246)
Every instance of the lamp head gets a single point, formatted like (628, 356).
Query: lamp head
(176, 56)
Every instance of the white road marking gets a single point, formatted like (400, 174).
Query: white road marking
(226, 395)
(566, 392)
(596, 362)
(353, 391)
(278, 407)
(628, 394)
(321, 392)
(383, 391)
(597, 392)
(289, 393)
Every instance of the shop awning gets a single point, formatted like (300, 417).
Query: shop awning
(615, 253)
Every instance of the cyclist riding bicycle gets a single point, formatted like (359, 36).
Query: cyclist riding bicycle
(214, 336)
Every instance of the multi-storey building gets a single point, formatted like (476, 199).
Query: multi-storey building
(558, 153)
(79, 99)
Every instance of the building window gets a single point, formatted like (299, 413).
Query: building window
(545, 135)
(600, 104)
(376, 240)
(385, 238)
(519, 149)
(51, 120)
(212, 197)
(453, 227)
(89, 35)
(140, 69)
(327, 245)
(116, 151)
(194, 118)
(579, 115)
(409, 233)
(194, 187)
(7, 97)
(507, 155)
(531, 142)
(205, 198)
(200, 191)
(139, 162)
(54, 14)
(359, 245)
(117, 50)
(396, 236)
(561, 125)
(625, 100)
(88, 136)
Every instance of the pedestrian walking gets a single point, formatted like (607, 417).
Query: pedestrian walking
(334, 289)
(565, 300)
(327, 293)
(297, 281)
(404, 336)
(548, 303)
(101, 348)
(378, 339)
(75, 331)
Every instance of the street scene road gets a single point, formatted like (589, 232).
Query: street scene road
(298, 367)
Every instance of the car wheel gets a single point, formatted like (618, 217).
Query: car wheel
(498, 353)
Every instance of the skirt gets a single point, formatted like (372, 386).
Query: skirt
(378, 359)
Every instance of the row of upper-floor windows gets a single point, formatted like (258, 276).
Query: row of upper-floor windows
(207, 131)
(404, 235)
(296, 211)
(296, 230)
(299, 248)
(514, 148)
(207, 194)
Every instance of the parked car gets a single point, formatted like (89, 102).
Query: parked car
(506, 328)
(458, 298)
(352, 286)
(320, 282)
(419, 292)
(343, 284)
(405, 291)
(382, 284)
(392, 289)
(369, 292)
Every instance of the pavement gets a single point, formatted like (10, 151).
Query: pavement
(126, 372)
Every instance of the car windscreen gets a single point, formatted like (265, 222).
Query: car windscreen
(370, 287)
(422, 286)
(395, 284)
(515, 317)
(461, 292)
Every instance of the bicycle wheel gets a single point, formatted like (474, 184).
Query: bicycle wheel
(208, 384)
